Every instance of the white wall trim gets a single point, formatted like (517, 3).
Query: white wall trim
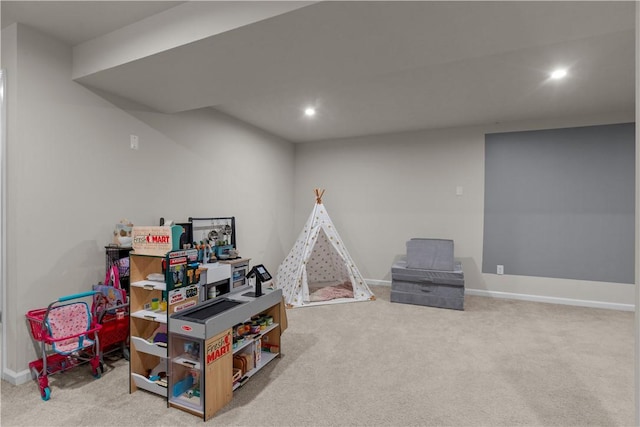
(551, 300)
(16, 378)
(3, 215)
(378, 282)
(533, 298)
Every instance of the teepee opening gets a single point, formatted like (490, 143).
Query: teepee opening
(319, 268)
(327, 274)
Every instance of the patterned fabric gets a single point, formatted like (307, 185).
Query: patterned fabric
(66, 321)
(318, 257)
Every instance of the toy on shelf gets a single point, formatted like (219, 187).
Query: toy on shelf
(122, 233)
(159, 336)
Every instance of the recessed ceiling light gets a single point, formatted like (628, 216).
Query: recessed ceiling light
(309, 111)
(558, 74)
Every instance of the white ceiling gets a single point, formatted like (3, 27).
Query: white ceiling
(369, 67)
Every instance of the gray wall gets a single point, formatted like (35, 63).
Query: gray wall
(384, 189)
(561, 203)
(71, 176)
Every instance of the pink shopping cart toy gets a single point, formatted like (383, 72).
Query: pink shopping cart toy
(68, 334)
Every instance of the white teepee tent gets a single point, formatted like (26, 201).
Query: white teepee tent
(319, 270)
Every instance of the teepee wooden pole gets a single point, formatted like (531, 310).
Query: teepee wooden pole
(319, 194)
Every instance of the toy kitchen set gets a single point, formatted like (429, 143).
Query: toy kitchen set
(224, 270)
(201, 324)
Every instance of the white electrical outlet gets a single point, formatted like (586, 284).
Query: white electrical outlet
(459, 190)
(134, 142)
(500, 269)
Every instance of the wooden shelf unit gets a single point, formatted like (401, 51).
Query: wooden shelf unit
(145, 356)
(149, 359)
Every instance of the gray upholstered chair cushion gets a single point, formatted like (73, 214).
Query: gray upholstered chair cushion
(430, 254)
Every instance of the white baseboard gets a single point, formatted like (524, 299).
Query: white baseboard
(551, 300)
(16, 378)
(378, 282)
(534, 298)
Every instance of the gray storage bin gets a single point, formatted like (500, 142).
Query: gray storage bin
(433, 288)
(401, 271)
(427, 300)
(421, 288)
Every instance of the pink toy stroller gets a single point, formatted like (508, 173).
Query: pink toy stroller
(69, 337)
